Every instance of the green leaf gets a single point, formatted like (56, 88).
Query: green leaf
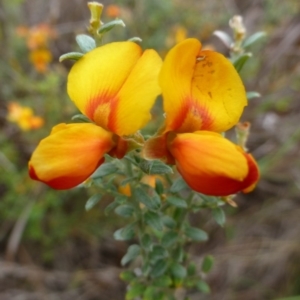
(224, 37)
(203, 287)
(219, 215)
(178, 185)
(251, 95)
(135, 39)
(159, 268)
(104, 170)
(127, 276)
(125, 233)
(240, 61)
(155, 167)
(196, 234)
(168, 222)
(135, 290)
(132, 253)
(157, 253)
(150, 293)
(207, 263)
(152, 203)
(178, 254)
(252, 39)
(175, 201)
(153, 220)
(70, 55)
(159, 187)
(146, 241)
(162, 281)
(85, 43)
(191, 270)
(110, 207)
(110, 25)
(125, 211)
(81, 118)
(178, 271)
(169, 239)
(92, 201)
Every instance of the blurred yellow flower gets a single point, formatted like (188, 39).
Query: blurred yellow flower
(113, 11)
(23, 116)
(125, 189)
(40, 59)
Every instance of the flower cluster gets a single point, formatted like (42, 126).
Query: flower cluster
(116, 85)
(23, 116)
(37, 39)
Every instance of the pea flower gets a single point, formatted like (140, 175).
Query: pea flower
(115, 86)
(203, 96)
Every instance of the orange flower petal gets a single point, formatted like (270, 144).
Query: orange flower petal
(112, 83)
(69, 155)
(201, 89)
(212, 165)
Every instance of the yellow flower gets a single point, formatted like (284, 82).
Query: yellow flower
(23, 116)
(40, 58)
(203, 95)
(115, 86)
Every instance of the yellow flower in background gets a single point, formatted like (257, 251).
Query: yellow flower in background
(115, 86)
(180, 34)
(40, 58)
(38, 38)
(203, 95)
(24, 117)
(113, 11)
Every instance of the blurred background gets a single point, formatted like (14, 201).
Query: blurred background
(50, 247)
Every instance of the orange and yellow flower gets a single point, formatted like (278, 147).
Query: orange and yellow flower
(23, 116)
(115, 86)
(203, 96)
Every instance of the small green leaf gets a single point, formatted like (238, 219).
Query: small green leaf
(125, 233)
(178, 254)
(153, 220)
(81, 118)
(175, 201)
(135, 39)
(178, 271)
(159, 187)
(178, 185)
(70, 55)
(132, 253)
(110, 207)
(224, 37)
(150, 293)
(191, 270)
(251, 95)
(162, 281)
(110, 25)
(169, 239)
(150, 202)
(85, 43)
(207, 263)
(203, 287)
(127, 276)
(219, 215)
(252, 39)
(135, 290)
(240, 61)
(159, 268)
(157, 253)
(125, 211)
(196, 234)
(146, 241)
(169, 222)
(155, 167)
(104, 170)
(92, 201)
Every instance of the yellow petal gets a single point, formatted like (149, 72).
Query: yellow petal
(201, 90)
(212, 165)
(137, 95)
(69, 155)
(115, 86)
